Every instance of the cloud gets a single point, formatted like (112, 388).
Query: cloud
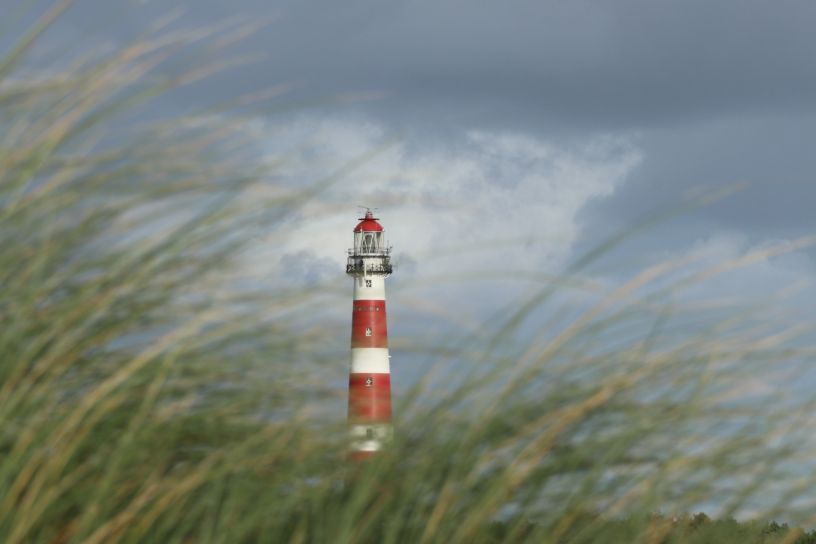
(484, 201)
(723, 279)
(306, 267)
(781, 284)
(631, 63)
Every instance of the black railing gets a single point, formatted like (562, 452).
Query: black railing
(381, 269)
(367, 252)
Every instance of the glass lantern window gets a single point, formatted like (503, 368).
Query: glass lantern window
(368, 242)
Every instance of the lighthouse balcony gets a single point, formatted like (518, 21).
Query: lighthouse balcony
(357, 266)
(369, 252)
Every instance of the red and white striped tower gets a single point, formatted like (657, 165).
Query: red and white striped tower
(369, 410)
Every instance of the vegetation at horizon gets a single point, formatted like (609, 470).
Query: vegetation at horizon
(149, 393)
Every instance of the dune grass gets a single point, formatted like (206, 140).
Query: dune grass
(144, 399)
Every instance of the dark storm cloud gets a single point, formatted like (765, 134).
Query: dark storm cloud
(622, 64)
(770, 157)
(713, 92)
(630, 63)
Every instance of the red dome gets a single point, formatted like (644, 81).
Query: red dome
(368, 224)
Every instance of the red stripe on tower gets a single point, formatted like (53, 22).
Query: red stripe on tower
(368, 324)
(369, 408)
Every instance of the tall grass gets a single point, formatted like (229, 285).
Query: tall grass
(145, 398)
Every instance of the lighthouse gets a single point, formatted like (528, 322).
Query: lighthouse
(369, 404)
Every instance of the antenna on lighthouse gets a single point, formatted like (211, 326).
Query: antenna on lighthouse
(366, 211)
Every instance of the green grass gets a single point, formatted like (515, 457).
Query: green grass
(143, 400)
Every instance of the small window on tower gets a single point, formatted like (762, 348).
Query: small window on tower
(368, 331)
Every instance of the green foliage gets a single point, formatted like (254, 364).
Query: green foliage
(698, 528)
(143, 400)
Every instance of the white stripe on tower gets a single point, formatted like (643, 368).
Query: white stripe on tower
(371, 288)
(373, 360)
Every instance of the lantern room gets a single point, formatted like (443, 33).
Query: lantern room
(368, 236)
(370, 255)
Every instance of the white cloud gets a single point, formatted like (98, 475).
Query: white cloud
(778, 280)
(487, 201)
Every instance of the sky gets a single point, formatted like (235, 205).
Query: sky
(517, 135)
